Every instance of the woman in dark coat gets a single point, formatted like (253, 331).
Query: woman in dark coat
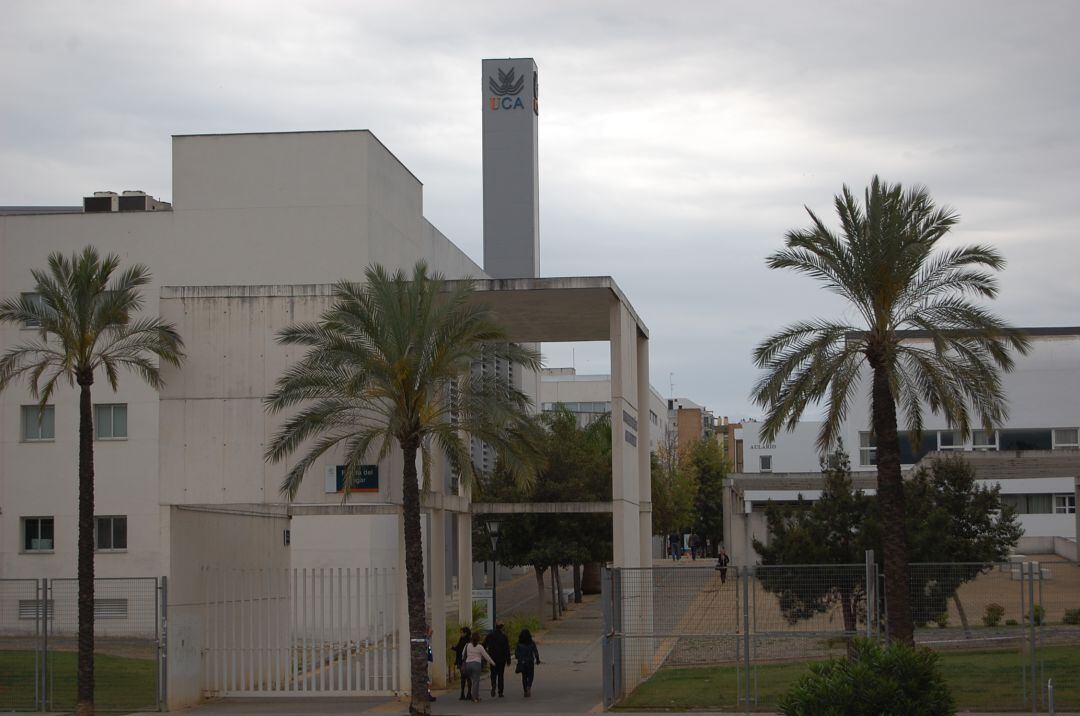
(527, 657)
(459, 658)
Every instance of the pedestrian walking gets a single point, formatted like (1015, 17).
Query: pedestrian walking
(695, 546)
(498, 647)
(459, 658)
(721, 565)
(475, 656)
(675, 540)
(527, 657)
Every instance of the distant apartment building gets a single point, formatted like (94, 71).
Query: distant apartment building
(589, 396)
(690, 422)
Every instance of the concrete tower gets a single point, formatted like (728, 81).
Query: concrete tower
(511, 171)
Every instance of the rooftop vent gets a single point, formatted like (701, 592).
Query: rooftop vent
(135, 200)
(101, 201)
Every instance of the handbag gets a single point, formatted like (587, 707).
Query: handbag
(517, 669)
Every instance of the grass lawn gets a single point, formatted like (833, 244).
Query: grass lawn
(979, 680)
(122, 684)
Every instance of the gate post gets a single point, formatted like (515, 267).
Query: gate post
(748, 572)
(1032, 610)
(871, 595)
(44, 605)
(163, 644)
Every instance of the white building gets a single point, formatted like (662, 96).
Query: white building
(1034, 455)
(589, 396)
(258, 228)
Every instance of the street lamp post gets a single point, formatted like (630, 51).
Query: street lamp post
(493, 533)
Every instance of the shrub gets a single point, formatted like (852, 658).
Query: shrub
(876, 680)
(993, 615)
(1040, 615)
(1011, 622)
(942, 620)
(514, 623)
(1072, 616)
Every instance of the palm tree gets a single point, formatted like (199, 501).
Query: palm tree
(391, 362)
(85, 326)
(926, 343)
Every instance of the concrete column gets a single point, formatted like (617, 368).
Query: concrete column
(465, 582)
(625, 423)
(437, 598)
(644, 461)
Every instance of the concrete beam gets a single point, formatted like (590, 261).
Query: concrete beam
(534, 508)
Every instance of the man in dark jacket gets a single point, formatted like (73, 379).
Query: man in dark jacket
(498, 648)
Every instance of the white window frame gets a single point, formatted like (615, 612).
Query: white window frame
(1074, 445)
(24, 523)
(110, 518)
(1065, 504)
(983, 447)
(867, 452)
(112, 421)
(958, 443)
(34, 415)
(765, 463)
(31, 325)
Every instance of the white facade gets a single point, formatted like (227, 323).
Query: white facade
(1043, 392)
(291, 208)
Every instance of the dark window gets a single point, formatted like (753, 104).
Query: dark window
(110, 533)
(38, 534)
(1024, 440)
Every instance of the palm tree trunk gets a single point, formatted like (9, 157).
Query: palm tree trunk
(85, 670)
(414, 580)
(891, 503)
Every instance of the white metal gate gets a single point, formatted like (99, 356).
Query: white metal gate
(322, 631)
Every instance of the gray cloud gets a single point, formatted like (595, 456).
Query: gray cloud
(678, 143)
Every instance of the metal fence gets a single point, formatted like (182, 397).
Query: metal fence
(1003, 631)
(38, 644)
(300, 632)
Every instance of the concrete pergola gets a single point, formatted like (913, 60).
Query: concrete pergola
(562, 310)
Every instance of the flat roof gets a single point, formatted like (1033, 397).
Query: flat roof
(531, 310)
(31, 210)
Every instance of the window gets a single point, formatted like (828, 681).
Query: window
(110, 533)
(110, 421)
(37, 534)
(37, 423)
(867, 449)
(653, 418)
(110, 608)
(1029, 504)
(983, 440)
(909, 454)
(950, 440)
(1024, 440)
(31, 609)
(36, 299)
(1066, 439)
(765, 461)
(1065, 504)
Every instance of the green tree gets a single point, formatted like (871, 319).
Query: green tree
(883, 262)
(707, 458)
(577, 468)
(390, 363)
(952, 522)
(819, 548)
(85, 328)
(960, 526)
(674, 489)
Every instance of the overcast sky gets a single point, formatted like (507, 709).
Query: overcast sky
(678, 141)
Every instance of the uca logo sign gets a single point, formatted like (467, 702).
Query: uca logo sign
(506, 91)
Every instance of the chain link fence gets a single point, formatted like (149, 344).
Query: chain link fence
(39, 644)
(1008, 635)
